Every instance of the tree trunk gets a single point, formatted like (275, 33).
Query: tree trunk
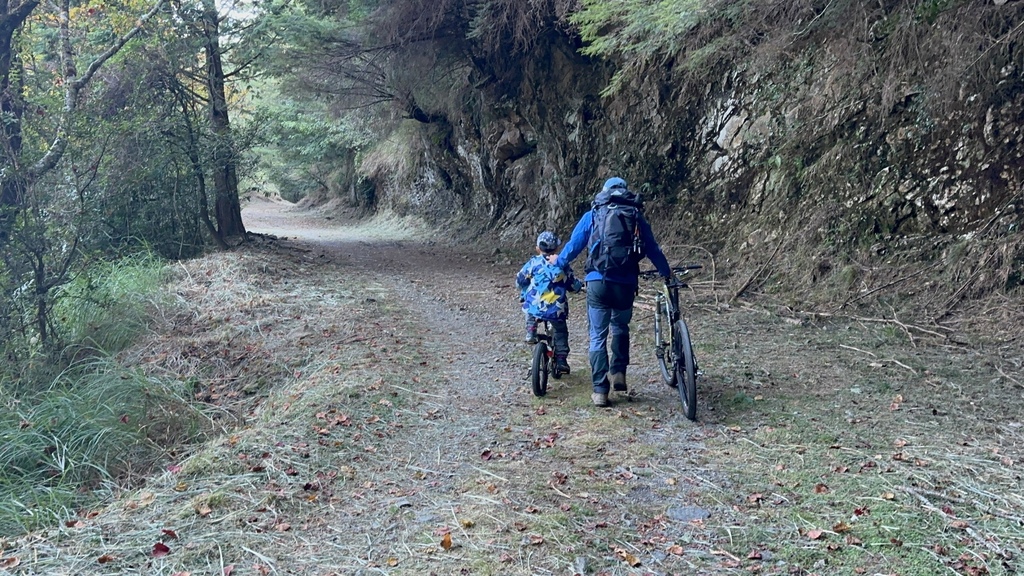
(12, 108)
(228, 209)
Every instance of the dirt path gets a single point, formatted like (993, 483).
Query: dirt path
(511, 466)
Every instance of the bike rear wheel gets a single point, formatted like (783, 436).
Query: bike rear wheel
(685, 369)
(539, 373)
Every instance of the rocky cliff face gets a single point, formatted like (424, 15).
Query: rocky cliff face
(811, 156)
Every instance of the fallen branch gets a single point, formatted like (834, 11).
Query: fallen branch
(760, 270)
(858, 350)
(889, 285)
(954, 300)
(882, 321)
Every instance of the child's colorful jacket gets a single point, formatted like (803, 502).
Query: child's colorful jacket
(544, 287)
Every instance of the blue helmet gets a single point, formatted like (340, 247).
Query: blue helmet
(613, 182)
(548, 241)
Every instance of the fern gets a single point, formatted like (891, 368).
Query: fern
(638, 28)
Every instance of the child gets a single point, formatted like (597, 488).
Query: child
(544, 287)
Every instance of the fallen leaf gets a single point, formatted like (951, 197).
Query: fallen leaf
(888, 496)
(815, 534)
(74, 524)
(676, 549)
(203, 510)
(174, 468)
(900, 443)
(467, 523)
(392, 561)
(896, 403)
(261, 569)
(754, 555)
(105, 559)
(853, 540)
(282, 527)
(160, 549)
(229, 569)
(170, 533)
(627, 557)
(9, 562)
(820, 488)
(536, 539)
(841, 528)
(446, 541)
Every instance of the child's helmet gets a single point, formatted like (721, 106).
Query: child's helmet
(613, 182)
(548, 241)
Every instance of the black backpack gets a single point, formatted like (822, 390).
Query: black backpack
(615, 244)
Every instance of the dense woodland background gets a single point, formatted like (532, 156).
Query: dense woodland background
(826, 155)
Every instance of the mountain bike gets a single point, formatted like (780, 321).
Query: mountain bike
(672, 343)
(543, 360)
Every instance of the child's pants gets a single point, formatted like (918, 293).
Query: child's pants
(559, 335)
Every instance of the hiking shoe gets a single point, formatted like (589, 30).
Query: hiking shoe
(562, 367)
(600, 399)
(618, 382)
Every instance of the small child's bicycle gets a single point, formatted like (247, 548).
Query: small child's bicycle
(543, 360)
(672, 344)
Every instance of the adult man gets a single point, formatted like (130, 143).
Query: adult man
(611, 282)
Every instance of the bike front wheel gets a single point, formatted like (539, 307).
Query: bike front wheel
(539, 373)
(685, 368)
(663, 348)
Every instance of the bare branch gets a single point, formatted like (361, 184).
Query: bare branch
(73, 86)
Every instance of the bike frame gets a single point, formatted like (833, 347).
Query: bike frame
(667, 296)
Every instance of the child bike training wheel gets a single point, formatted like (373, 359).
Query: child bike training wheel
(539, 374)
(686, 369)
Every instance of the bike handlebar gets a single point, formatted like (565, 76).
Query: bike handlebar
(675, 270)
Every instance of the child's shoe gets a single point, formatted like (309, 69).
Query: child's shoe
(562, 365)
(531, 338)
